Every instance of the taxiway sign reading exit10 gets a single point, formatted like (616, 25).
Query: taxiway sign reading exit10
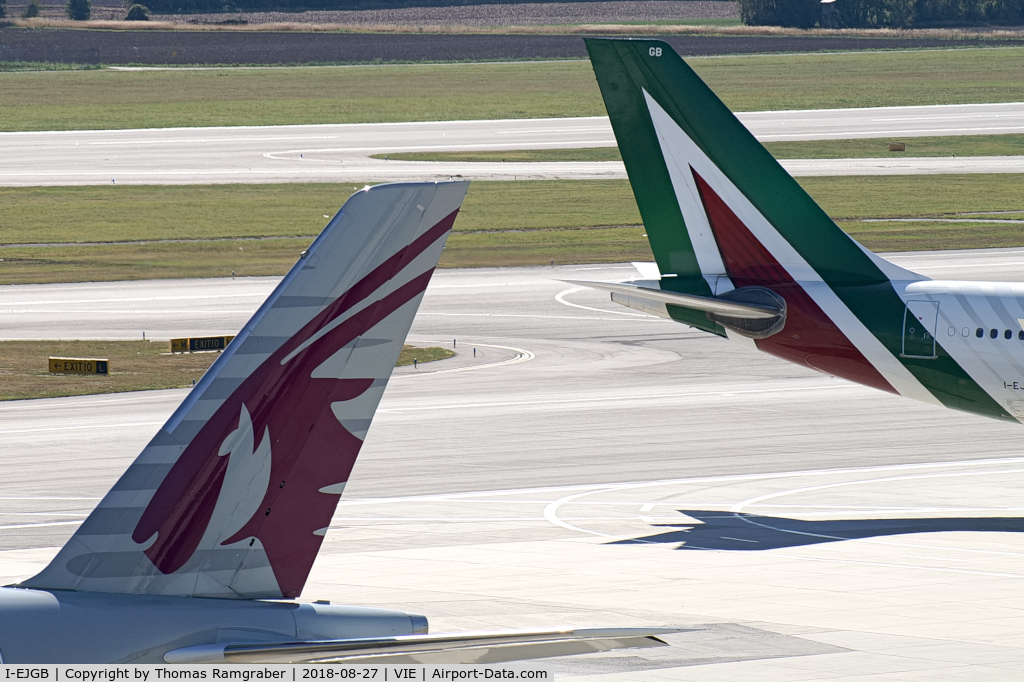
(78, 366)
(192, 345)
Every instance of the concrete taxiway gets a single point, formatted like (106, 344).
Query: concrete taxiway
(591, 466)
(341, 153)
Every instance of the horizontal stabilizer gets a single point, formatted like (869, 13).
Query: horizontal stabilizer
(466, 648)
(707, 304)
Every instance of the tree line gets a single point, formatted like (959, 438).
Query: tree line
(882, 13)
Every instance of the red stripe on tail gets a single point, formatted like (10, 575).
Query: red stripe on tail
(809, 337)
(310, 448)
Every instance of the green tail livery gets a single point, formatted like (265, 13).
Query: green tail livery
(743, 252)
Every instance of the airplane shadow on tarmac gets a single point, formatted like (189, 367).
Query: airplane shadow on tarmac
(752, 532)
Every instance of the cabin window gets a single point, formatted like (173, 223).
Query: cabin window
(1007, 334)
(1020, 335)
(980, 333)
(993, 333)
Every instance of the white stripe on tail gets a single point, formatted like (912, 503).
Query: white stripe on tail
(232, 497)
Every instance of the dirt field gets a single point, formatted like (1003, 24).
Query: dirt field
(524, 14)
(270, 47)
(519, 14)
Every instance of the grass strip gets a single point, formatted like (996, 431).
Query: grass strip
(875, 148)
(102, 99)
(105, 263)
(46, 66)
(75, 215)
(501, 224)
(897, 236)
(114, 262)
(421, 355)
(155, 212)
(225, 97)
(543, 247)
(916, 196)
(134, 366)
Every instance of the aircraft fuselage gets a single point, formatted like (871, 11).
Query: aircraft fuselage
(57, 626)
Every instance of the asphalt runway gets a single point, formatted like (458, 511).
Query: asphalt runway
(336, 153)
(591, 466)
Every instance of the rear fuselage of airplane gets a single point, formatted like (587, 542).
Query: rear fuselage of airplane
(63, 626)
(978, 325)
(960, 344)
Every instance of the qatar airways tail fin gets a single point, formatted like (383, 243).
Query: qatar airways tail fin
(234, 494)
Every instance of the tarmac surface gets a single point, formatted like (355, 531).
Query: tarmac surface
(592, 467)
(336, 153)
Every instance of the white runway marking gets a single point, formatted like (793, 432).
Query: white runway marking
(140, 299)
(739, 506)
(91, 400)
(93, 499)
(650, 318)
(255, 154)
(522, 355)
(613, 399)
(82, 427)
(561, 299)
(551, 511)
(551, 514)
(19, 526)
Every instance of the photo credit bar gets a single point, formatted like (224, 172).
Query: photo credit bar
(253, 672)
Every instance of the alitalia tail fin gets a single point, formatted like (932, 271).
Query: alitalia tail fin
(719, 210)
(234, 494)
(728, 224)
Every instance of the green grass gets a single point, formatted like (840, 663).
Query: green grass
(224, 226)
(928, 236)
(547, 204)
(101, 263)
(134, 366)
(421, 355)
(105, 263)
(910, 196)
(501, 224)
(866, 79)
(963, 145)
(46, 66)
(147, 99)
(62, 100)
(124, 212)
(849, 199)
(541, 247)
(50, 215)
